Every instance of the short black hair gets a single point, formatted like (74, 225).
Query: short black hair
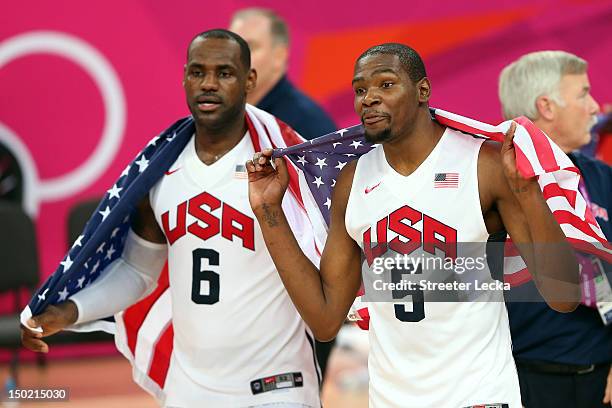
(410, 59)
(222, 34)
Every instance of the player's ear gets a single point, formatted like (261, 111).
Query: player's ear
(423, 90)
(251, 80)
(184, 75)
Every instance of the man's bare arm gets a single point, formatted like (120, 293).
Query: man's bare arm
(58, 317)
(533, 229)
(322, 298)
(144, 223)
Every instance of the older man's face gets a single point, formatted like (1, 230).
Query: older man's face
(575, 117)
(265, 55)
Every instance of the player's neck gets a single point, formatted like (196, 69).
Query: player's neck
(212, 144)
(406, 153)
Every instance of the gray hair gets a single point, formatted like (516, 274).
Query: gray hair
(278, 26)
(533, 75)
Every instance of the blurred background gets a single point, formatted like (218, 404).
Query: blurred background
(84, 85)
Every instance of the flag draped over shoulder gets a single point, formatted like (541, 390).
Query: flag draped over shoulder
(321, 159)
(143, 332)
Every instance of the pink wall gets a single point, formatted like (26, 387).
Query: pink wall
(54, 111)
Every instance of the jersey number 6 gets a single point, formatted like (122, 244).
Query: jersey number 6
(200, 276)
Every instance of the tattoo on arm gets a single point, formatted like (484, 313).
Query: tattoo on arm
(520, 189)
(270, 216)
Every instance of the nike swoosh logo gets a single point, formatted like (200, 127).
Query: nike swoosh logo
(369, 189)
(169, 172)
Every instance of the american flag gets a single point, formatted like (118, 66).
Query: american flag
(536, 156)
(144, 332)
(102, 240)
(446, 180)
(321, 159)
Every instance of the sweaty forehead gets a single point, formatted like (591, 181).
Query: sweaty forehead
(372, 64)
(214, 51)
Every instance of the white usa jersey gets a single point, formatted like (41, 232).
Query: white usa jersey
(238, 339)
(431, 354)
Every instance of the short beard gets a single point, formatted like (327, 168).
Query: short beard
(380, 137)
(225, 120)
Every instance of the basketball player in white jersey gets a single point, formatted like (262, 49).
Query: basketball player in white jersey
(437, 354)
(239, 342)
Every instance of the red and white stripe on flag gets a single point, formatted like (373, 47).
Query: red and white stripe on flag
(536, 156)
(446, 180)
(144, 331)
